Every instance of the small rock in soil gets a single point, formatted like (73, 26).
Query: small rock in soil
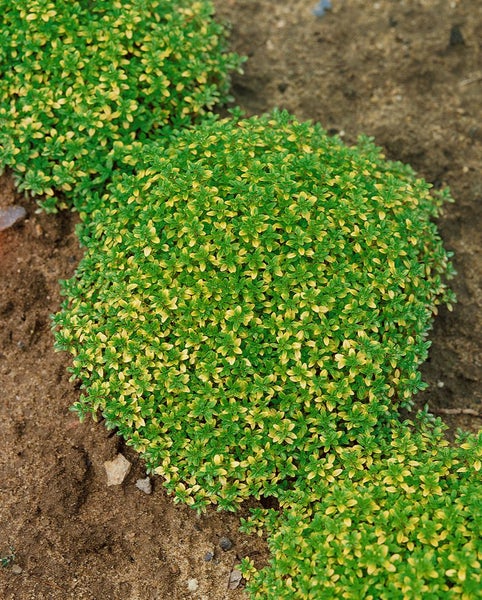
(144, 485)
(10, 215)
(17, 569)
(192, 585)
(225, 544)
(456, 37)
(117, 469)
(208, 556)
(235, 579)
(321, 8)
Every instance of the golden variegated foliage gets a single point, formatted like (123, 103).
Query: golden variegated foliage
(84, 84)
(257, 295)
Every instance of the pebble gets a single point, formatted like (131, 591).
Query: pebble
(17, 569)
(209, 556)
(10, 215)
(456, 37)
(225, 544)
(321, 8)
(144, 485)
(117, 469)
(235, 578)
(192, 585)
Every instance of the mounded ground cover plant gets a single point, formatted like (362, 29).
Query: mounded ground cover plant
(84, 84)
(400, 519)
(255, 297)
(253, 306)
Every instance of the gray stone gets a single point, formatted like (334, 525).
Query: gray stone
(144, 485)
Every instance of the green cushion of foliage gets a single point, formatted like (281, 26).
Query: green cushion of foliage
(83, 84)
(257, 295)
(400, 522)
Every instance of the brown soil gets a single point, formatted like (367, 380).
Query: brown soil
(407, 72)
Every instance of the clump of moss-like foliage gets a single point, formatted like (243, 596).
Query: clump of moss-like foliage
(257, 296)
(397, 517)
(84, 84)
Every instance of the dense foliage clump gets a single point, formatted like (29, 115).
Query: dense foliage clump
(258, 295)
(254, 300)
(401, 519)
(84, 84)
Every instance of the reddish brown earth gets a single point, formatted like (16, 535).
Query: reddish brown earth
(408, 73)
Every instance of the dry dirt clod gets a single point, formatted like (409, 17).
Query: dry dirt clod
(225, 543)
(456, 37)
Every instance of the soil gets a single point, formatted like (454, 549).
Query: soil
(408, 73)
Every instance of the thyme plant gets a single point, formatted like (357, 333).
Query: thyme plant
(257, 295)
(84, 84)
(397, 518)
(253, 303)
